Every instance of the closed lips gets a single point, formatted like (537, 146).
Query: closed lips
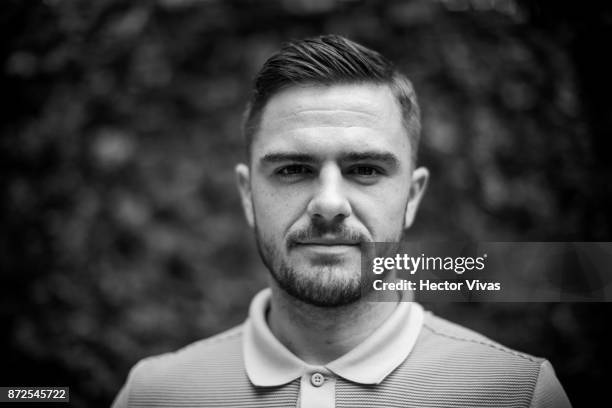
(328, 242)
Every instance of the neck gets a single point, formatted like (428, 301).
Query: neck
(318, 335)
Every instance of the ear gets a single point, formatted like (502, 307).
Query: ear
(417, 188)
(243, 179)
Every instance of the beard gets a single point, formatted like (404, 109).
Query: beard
(328, 281)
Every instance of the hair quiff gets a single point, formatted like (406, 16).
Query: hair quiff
(328, 60)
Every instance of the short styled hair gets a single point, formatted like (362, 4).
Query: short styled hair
(329, 60)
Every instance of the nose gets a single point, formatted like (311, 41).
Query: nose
(329, 202)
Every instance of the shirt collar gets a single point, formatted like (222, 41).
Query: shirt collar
(269, 363)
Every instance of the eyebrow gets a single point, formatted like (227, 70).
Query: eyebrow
(382, 157)
(286, 157)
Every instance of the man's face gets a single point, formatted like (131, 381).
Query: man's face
(330, 169)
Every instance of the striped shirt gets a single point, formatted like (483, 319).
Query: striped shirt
(414, 359)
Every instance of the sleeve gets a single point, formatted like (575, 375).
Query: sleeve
(121, 400)
(548, 392)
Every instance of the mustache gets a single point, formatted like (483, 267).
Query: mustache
(320, 230)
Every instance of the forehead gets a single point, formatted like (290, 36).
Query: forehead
(332, 117)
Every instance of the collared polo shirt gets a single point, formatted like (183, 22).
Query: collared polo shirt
(269, 363)
(414, 359)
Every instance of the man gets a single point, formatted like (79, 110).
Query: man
(332, 132)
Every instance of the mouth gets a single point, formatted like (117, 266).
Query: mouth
(328, 242)
(327, 246)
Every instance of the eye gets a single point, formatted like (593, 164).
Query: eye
(366, 171)
(293, 170)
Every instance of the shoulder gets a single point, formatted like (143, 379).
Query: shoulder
(223, 346)
(454, 363)
(452, 338)
(202, 371)
(487, 368)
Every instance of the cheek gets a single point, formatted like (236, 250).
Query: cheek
(383, 214)
(276, 211)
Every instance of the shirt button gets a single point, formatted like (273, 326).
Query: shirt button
(317, 379)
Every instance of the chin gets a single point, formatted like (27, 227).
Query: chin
(325, 286)
(327, 300)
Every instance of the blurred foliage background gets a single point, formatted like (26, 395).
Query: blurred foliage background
(122, 234)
